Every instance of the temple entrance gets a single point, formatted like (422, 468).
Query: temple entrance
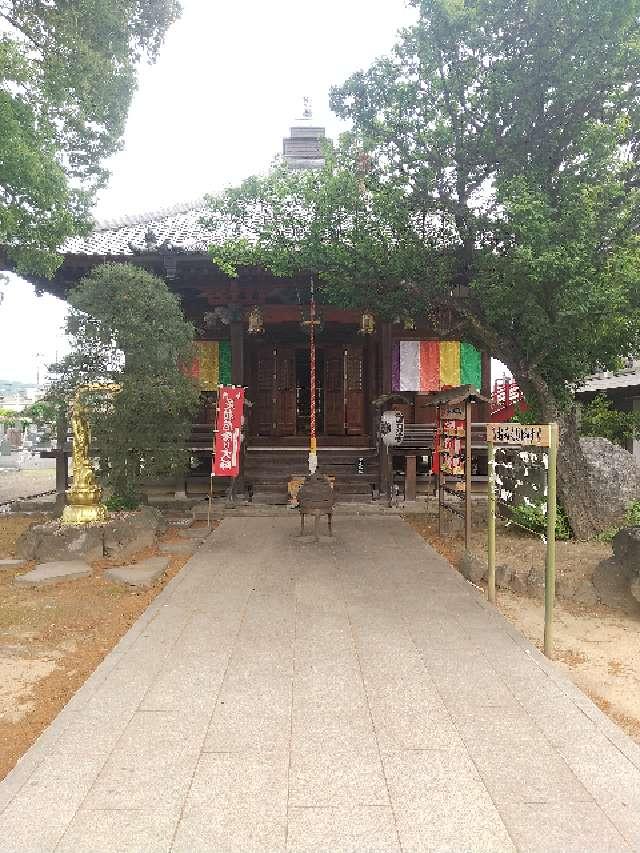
(282, 397)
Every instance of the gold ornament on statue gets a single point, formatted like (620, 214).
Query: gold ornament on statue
(85, 495)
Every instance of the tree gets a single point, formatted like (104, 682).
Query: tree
(493, 156)
(514, 128)
(126, 327)
(67, 76)
(42, 412)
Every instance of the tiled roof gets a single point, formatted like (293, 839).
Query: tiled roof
(628, 377)
(179, 228)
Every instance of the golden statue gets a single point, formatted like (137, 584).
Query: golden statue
(84, 497)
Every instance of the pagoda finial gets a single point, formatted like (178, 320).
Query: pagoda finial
(307, 112)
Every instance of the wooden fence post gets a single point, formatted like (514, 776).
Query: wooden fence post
(491, 511)
(550, 562)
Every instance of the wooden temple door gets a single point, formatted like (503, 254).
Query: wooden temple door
(285, 391)
(334, 390)
(354, 390)
(263, 411)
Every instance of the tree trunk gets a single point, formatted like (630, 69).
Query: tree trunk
(575, 494)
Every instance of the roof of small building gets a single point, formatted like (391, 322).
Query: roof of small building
(628, 377)
(179, 228)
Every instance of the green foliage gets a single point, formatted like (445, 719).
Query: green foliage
(41, 412)
(126, 327)
(503, 124)
(530, 415)
(493, 150)
(600, 418)
(337, 224)
(123, 503)
(632, 515)
(631, 519)
(67, 76)
(534, 518)
(493, 156)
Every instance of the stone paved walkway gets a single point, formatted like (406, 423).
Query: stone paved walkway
(354, 696)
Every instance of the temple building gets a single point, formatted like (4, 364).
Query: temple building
(250, 333)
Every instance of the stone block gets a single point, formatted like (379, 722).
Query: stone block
(53, 541)
(350, 829)
(614, 477)
(143, 574)
(626, 549)
(473, 567)
(10, 565)
(107, 830)
(535, 582)
(504, 574)
(585, 593)
(197, 533)
(54, 572)
(128, 533)
(520, 582)
(178, 548)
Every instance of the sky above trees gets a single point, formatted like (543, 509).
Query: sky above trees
(214, 108)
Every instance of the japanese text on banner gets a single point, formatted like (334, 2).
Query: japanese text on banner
(226, 461)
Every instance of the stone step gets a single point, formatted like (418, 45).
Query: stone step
(143, 574)
(55, 571)
(10, 565)
(178, 548)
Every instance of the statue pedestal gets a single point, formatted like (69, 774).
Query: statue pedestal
(76, 514)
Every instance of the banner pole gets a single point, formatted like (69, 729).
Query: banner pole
(467, 477)
(213, 454)
(550, 562)
(491, 544)
(313, 452)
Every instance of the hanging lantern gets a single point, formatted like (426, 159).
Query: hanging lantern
(256, 321)
(367, 324)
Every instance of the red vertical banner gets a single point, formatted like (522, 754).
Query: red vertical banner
(226, 461)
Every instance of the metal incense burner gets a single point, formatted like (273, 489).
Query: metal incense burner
(315, 497)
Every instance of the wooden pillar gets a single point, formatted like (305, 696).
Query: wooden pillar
(370, 385)
(410, 479)
(62, 461)
(467, 478)
(484, 411)
(237, 353)
(386, 355)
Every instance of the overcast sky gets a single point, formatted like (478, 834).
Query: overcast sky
(213, 110)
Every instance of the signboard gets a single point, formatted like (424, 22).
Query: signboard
(226, 462)
(520, 475)
(392, 428)
(522, 472)
(519, 435)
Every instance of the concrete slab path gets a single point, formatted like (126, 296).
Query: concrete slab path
(355, 696)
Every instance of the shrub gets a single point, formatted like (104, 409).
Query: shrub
(534, 518)
(123, 503)
(631, 519)
(601, 419)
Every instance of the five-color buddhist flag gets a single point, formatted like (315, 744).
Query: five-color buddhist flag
(433, 365)
(212, 364)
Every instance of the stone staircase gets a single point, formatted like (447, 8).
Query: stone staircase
(268, 471)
